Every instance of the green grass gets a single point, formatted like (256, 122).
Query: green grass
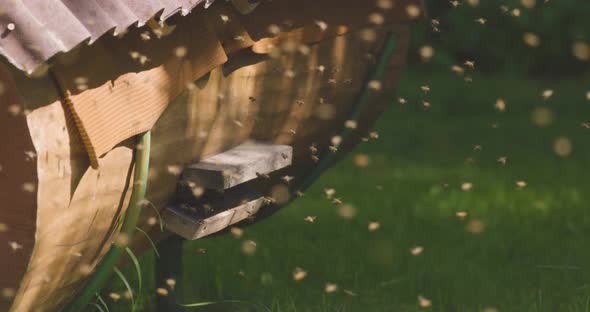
(533, 254)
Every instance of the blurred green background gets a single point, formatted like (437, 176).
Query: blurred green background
(481, 199)
(498, 45)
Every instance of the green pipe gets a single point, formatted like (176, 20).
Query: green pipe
(377, 73)
(105, 268)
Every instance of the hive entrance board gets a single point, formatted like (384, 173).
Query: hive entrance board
(238, 165)
(226, 199)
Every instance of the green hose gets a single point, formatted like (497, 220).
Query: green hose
(377, 73)
(105, 268)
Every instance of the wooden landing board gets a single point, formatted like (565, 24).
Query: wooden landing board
(190, 227)
(238, 165)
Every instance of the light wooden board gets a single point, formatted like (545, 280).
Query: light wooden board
(238, 165)
(189, 227)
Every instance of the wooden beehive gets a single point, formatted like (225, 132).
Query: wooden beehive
(214, 80)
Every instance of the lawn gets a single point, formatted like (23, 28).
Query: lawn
(495, 235)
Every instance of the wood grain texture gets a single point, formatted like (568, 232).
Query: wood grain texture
(191, 228)
(238, 165)
(77, 210)
(75, 207)
(126, 97)
(17, 202)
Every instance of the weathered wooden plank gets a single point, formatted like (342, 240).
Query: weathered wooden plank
(238, 165)
(192, 227)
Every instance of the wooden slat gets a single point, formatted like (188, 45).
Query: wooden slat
(238, 165)
(191, 227)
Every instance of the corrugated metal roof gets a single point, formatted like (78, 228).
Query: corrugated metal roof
(32, 31)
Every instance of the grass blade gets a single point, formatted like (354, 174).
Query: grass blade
(157, 213)
(98, 307)
(151, 242)
(104, 304)
(126, 283)
(208, 303)
(137, 268)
